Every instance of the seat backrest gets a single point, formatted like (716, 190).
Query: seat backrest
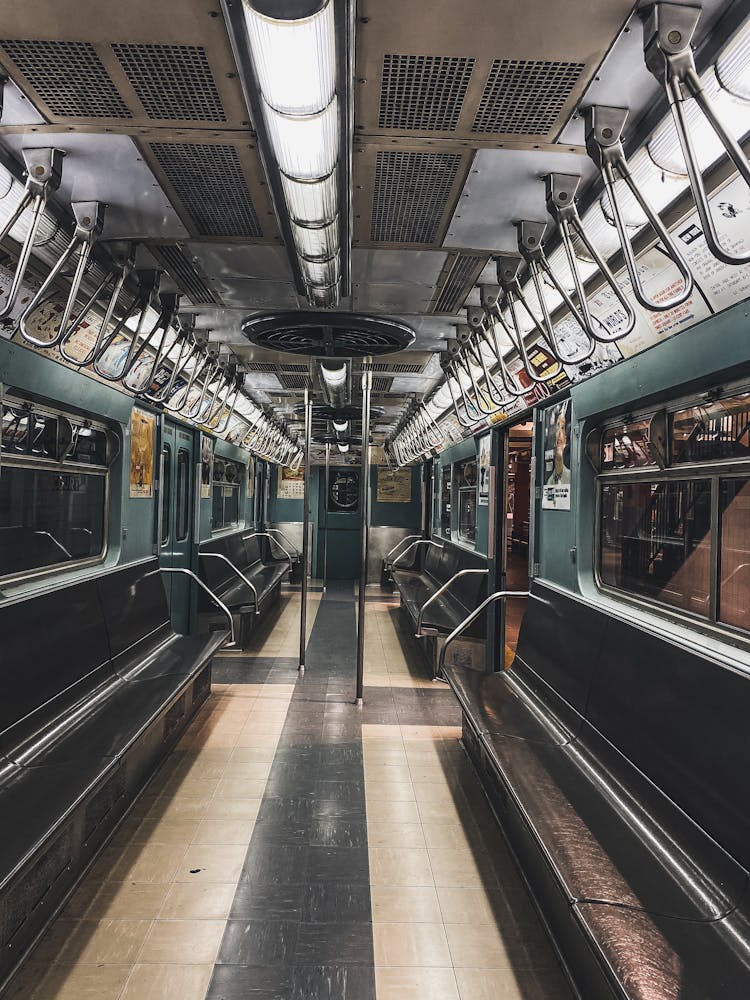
(432, 558)
(215, 572)
(135, 605)
(53, 648)
(252, 550)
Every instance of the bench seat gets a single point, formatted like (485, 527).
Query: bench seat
(245, 555)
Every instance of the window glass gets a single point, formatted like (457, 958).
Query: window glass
(225, 502)
(625, 446)
(183, 494)
(655, 541)
(712, 430)
(445, 502)
(49, 517)
(166, 489)
(734, 566)
(466, 480)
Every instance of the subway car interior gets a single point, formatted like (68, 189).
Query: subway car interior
(375, 500)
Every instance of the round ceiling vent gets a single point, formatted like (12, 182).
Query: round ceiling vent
(331, 335)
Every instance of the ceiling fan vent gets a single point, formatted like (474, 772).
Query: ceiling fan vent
(327, 335)
(463, 272)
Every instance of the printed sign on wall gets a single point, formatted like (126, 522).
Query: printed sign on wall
(290, 484)
(484, 470)
(142, 427)
(557, 479)
(394, 485)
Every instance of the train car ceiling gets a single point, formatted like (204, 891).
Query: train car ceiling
(475, 204)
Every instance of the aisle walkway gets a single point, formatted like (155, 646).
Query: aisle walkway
(295, 847)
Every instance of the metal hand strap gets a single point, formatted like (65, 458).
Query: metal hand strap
(603, 142)
(487, 330)
(148, 284)
(266, 534)
(207, 589)
(530, 245)
(415, 545)
(170, 304)
(446, 586)
(499, 595)
(667, 34)
(560, 191)
(89, 216)
(187, 351)
(43, 174)
(213, 367)
(240, 574)
(202, 362)
(508, 269)
(467, 348)
(478, 322)
(223, 426)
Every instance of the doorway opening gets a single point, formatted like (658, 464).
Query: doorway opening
(517, 495)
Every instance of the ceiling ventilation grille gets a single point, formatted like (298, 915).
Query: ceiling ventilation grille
(381, 383)
(69, 77)
(184, 274)
(423, 92)
(393, 368)
(459, 282)
(209, 181)
(172, 81)
(525, 97)
(410, 195)
(294, 381)
(294, 368)
(259, 366)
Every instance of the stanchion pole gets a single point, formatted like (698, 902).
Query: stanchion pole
(325, 518)
(305, 533)
(365, 509)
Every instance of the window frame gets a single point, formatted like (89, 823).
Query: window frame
(236, 486)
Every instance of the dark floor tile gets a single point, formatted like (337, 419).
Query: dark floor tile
(258, 942)
(338, 864)
(292, 809)
(341, 771)
(336, 902)
(283, 831)
(328, 831)
(231, 982)
(350, 792)
(267, 902)
(350, 753)
(334, 944)
(336, 809)
(340, 982)
(274, 864)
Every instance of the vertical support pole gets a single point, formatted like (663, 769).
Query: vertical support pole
(365, 508)
(305, 533)
(325, 517)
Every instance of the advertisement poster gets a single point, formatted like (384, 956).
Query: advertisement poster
(250, 478)
(290, 484)
(207, 457)
(556, 485)
(394, 485)
(484, 471)
(142, 427)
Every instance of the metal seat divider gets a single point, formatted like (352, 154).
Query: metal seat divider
(415, 545)
(207, 589)
(240, 574)
(419, 634)
(266, 534)
(462, 626)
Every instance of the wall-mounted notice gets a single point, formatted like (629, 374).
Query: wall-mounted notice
(484, 470)
(142, 427)
(290, 484)
(394, 485)
(250, 478)
(207, 457)
(557, 479)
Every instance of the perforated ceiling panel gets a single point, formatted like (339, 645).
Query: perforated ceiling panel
(525, 96)
(410, 194)
(423, 92)
(69, 77)
(184, 274)
(209, 181)
(464, 269)
(172, 81)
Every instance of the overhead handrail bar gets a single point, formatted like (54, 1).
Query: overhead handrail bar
(479, 321)
(266, 534)
(148, 285)
(201, 363)
(560, 191)
(419, 634)
(43, 175)
(604, 128)
(214, 368)
(668, 30)
(240, 574)
(415, 545)
(462, 626)
(207, 589)
(187, 349)
(223, 426)
(508, 270)
(214, 417)
(531, 248)
(89, 216)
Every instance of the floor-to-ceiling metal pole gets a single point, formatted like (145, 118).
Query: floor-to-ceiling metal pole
(325, 518)
(365, 509)
(305, 532)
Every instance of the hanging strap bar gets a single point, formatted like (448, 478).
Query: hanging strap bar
(460, 363)
(508, 269)
(169, 306)
(490, 299)
(668, 29)
(89, 216)
(468, 352)
(560, 190)
(447, 365)
(239, 381)
(478, 321)
(201, 361)
(43, 175)
(604, 128)
(213, 417)
(148, 285)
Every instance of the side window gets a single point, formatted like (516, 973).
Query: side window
(183, 494)
(466, 480)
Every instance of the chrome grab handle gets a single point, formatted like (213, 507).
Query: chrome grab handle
(265, 534)
(462, 626)
(490, 299)
(560, 191)
(409, 538)
(43, 175)
(508, 270)
(240, 574)
(287, 539)
(169, 306)
(223, 426)
(89, 216)
(148, 285)
(603, 142)
(462, 572)
(478, 318)
(415, 545)
(211, 594)
(463, 336)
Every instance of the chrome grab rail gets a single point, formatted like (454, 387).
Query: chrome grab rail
(240, 574)
(490, 299)
(462, 572)
(603, 143)
(89, 216)
(287, 539)
(462, 626)
(478, 320)
(148, 285)
(169, 305)
(203, 586)
(508, 270)
(415, 545)
(43, 175)
(667, 34)
(265, 534)
(409, 538)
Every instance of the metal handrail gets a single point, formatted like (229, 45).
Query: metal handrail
(211, 594)
(389, 553)
(240, 574)
(508, 271)
(462, 626)
(462, 572)
(265, 534)
(286, 538)
(415, 545)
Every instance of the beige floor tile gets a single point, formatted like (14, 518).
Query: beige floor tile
(201, 789)
(377, 771)
(202, 901)
(178, 808)
(376, 756)
(253, 755)
(168, 982)
(415, 945)
(224, 831)
(394, 812)
(444, 810)
(415, 984)
(396, 866)
(212, 863)
(405, 904)
(138, 862)
(241, 788)
(164, 830)
(389, 791)
(113, 941)
(486, 946)
(483, 984)
(383, 833)
(100, 900)
(453, 836)
(462, 869)
(182, 942)
(246, 809)
(37, 981)
(253, 739)
(489, 906)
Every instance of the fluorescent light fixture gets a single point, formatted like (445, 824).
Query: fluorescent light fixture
(340, 426)
(333, 377)
(311, 203)
(323, 298)
(305, 147)
(316, 243)
(294, 59)
(343, 447)
(323, 273)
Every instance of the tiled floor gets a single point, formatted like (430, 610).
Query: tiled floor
(295, 846)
